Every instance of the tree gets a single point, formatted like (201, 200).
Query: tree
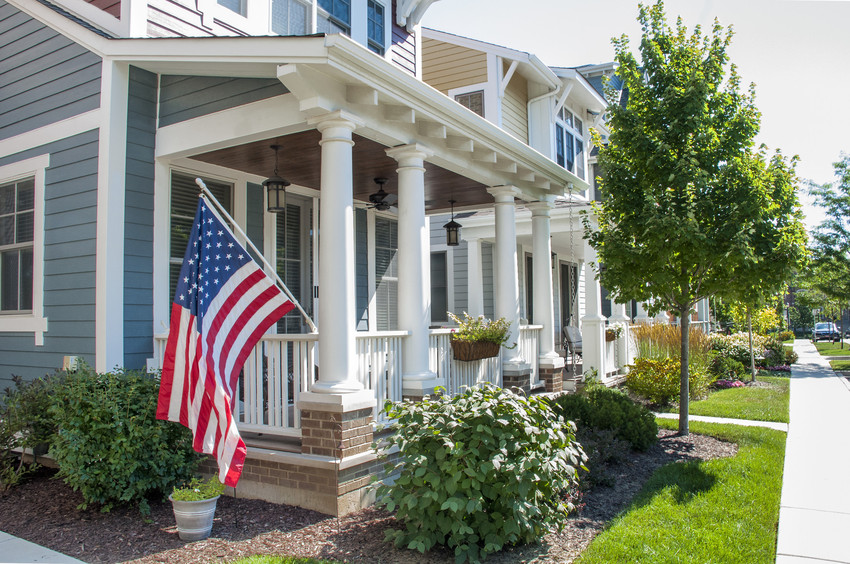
(683, 192)
(830, 272)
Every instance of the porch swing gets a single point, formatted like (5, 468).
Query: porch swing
(572, 341)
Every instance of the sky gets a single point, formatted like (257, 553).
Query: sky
(796, 52)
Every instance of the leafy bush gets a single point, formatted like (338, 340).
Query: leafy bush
(791, 356)
(606, 409)
(774, 352)
(603, 449)
(727, 368)
(785, 335)
(25, 423)
(658, 380)
(737, 346)
(479, 471)
(198, 489)
(110, 447)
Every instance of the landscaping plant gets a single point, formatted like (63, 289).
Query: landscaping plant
(658, 380)
(110, 447)
(479, 471)
(481, 329)
(198, 489)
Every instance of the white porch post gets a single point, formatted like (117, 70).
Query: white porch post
(642, 316)
(336, 321)
(619, 316)
(702, 314)
(475, 278)
(544, 310)
(414, 275)
(593, 322)
(507, 277)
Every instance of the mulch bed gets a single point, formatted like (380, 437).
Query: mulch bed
(43, 510)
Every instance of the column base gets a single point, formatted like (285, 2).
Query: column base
(416, 389)
(516, 376)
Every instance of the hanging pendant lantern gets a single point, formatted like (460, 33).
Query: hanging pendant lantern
(452, 229)
(275, 187)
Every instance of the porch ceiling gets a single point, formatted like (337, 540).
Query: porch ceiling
(300, 163)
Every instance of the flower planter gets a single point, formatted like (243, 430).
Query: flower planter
(194, 518)
(474, 350)
(610, 336)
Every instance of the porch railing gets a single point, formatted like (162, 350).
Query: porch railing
(379, 366)
(529, 349)
(458, 373)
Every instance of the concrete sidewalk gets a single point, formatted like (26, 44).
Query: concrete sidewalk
(744, 422)
(814, 517)
(13, 549)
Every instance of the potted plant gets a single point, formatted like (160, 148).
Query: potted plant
(478, 337)
(194, 507)
(613, 333)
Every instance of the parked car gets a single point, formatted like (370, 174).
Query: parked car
(826, 332)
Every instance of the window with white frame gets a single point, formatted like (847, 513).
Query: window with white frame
(375, 26)
(439, 287)
(290, 17)
(334, 16)
(22, 247)
(386, 273)
(17, 235)
(472, 100)
(569, 142)
(237, 6)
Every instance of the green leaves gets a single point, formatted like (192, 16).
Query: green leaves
(488, 468)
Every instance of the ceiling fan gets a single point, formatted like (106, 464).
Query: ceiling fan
(381, 200)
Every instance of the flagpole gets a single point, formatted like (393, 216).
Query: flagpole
(209, 195)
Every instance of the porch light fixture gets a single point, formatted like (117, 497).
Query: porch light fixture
(275, 187)
(452, 229)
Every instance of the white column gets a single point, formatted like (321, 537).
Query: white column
(336, 320)
(414, 274)
(507, 277)
(593, 322)
(544, 310)
(475, 278)
(642, 316)
(620, 317)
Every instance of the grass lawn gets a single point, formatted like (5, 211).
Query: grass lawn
(280, 560)
(832, 349)
(755, 404)
(722, 511)
(840, 364)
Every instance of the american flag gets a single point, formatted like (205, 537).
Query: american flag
(223, 304)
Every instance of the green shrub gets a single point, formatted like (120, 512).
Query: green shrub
(791, 356)
(25, 423)
(726, 368)
(110, 447)
(658, 380)
(479, 471)
(603, 448)
(605, 409)
(785, 336)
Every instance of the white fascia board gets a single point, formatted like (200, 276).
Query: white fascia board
(359, 63)
(586, 92)
(535, 69)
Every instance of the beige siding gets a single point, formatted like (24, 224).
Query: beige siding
(446, 66)
(515, 108)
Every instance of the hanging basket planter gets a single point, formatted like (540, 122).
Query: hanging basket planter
(610, 336)
(474, 350)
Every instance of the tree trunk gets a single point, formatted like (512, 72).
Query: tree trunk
(684, 392)
(752, 356)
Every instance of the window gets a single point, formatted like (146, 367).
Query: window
(375, 26)
(334, 16)
(569, 294)
(569, 142)
(439, 288)
(472, 100)
(238, 6)
(386, 274)
(184, 204)
(290, 17)
(529, 288)
(290, 263)
(17, 214)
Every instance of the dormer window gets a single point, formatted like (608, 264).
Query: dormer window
(472, 100)
(290, 17)
(238, 6)
(569, 142)
(334, 16)
(375, 26)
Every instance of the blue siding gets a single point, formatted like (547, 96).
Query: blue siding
(138, 219)
(70, 231)
(188, 97)
(44, 76)
(361, 270)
